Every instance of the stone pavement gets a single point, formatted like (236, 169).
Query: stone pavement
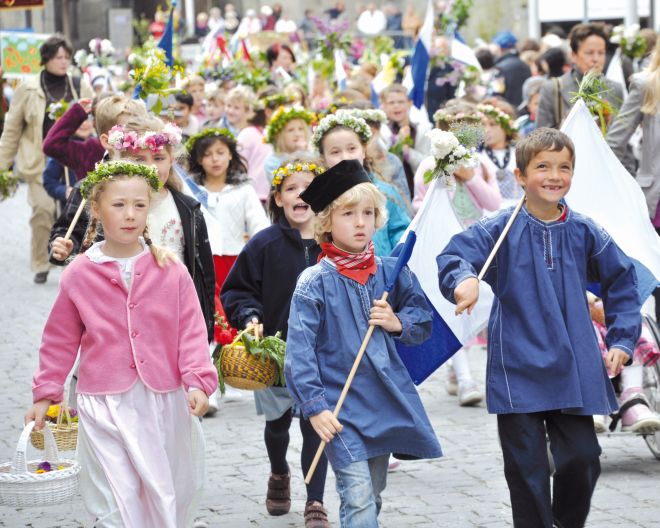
(466, 488)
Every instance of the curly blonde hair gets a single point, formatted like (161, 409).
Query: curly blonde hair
(352, 197)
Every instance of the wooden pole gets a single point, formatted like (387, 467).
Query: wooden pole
(344, 391)
(75, 219)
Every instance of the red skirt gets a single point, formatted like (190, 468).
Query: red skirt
(222, 265)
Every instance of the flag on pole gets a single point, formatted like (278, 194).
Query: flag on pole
(434, 225)
(165, 42)
(340, 72)
(419, 63)
(603, 190)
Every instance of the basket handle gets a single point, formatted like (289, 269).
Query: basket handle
(254, 328)
(63, 411)
(19, 464)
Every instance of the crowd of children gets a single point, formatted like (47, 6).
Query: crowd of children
(255, 206)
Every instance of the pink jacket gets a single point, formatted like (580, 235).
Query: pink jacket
(155, 331)
(485, 194)
(252, 147)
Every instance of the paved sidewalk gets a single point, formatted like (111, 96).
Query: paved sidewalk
(466, 488)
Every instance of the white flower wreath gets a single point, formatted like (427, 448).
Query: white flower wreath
(356, 124)
(368, 114)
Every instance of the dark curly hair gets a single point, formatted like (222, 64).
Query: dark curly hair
(237, 170)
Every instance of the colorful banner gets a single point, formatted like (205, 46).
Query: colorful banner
(19, 53)
(21, 4)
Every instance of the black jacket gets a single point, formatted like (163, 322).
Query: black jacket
(197, 250)
(515, 72)
(261, 282)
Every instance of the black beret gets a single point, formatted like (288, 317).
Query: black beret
(334, 182)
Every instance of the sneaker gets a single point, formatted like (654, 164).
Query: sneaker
(41, 277)
(213, 405)
(394, 464)
(232, 394)
(600, 423)
(638, 418)
(451, 384)
(469, 394)
(278, 498)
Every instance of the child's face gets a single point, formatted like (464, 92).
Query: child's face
(122, 208)
(182, 114)
(396, 106)
(197, 92)
(297, 212)
(162, 161)
(547, 178)
(215, 109)
(495, 137)
(353, 227)
(533, 105)
(215, 160)
(236, 112)
(294, 135)
(285, 60)
(341, 144)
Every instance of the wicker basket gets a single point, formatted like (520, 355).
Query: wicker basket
(20, 486)
(243, 370)
(66, 434)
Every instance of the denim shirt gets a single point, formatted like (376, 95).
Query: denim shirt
(542, 350)
(329, 318)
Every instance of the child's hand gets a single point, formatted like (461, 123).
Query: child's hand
(382, 315)
(326, 425)
(198, 402)
(86, 104)
(62, 248)
(37, 413)
(614, 361)
(464, 174)
(255, 324)
(466, 295)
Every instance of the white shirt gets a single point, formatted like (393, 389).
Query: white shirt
(372, 23)
(164, 222)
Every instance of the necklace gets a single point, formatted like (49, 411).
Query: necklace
(501, 168)
(49, 96)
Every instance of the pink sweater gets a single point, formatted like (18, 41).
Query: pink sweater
(155, 331)
(252, 147)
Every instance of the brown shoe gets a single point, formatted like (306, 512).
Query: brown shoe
(278, 498)
(41, 277)
(315, 515)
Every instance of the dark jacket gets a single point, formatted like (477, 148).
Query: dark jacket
(514, 73)
(79, 156)
(197, 250)
(55, 182)
(261, 282)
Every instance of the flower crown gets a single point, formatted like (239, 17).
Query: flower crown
(109, 169)
(208, 132)
(119, 139)
(290, 168)
(280, 99)
(281, 117)
(370, 115)
(356, 124)
(501, 118)
(442, 116)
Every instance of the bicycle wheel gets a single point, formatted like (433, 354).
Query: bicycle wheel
(652, 391)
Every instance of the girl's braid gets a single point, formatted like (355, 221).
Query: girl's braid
(90, 235)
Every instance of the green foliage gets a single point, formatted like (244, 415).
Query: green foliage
(592, 90)
(8, 185)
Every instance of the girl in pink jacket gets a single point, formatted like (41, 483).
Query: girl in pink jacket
(145, 370)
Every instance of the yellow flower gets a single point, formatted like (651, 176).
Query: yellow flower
(298, 167)
(53, 411)
(312, 167)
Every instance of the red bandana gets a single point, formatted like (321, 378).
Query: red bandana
(356, 266)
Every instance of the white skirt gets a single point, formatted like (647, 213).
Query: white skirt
(142, 458)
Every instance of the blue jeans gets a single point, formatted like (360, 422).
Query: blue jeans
(359, 486)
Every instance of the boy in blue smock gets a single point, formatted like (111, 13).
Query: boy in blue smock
(332, 307)
(544, 372)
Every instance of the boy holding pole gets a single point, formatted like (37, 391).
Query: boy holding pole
(334, 305)
(544, 372)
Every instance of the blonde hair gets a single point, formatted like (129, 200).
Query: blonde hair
(216, 94)
(352, 197)
(149, 123)
(245, 95)
(279, 139)
(109, 110)
(652, 89)
(192, 81)
(162, 255)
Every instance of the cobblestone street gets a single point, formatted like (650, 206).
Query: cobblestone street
(466, 488)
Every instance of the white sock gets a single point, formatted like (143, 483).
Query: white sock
(461, 365)
(631, 377)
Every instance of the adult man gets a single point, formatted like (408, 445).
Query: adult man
(512, 71)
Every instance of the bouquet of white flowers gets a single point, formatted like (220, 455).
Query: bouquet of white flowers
(453, 149)
(631, 41)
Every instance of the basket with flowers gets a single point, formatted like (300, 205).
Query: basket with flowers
(63, 422)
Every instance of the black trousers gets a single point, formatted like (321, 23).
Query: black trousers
(575, 452)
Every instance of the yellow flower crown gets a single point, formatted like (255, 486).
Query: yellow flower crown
(290, 168)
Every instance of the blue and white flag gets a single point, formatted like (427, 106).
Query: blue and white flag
(604, 190)
(419, 64)
(434, 225)
(340, 72)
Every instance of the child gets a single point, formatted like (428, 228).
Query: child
(231, 205)
(195, 86)
(183, 115)
(175, 220)
(526, 123)
(288, 131)
(257, 291)
(329, 317)
(498, 155)
(342, 137)
(132, 310)
(408, 138)
(215, 108)
(239, 105)
(544, 370)
(256, 151)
